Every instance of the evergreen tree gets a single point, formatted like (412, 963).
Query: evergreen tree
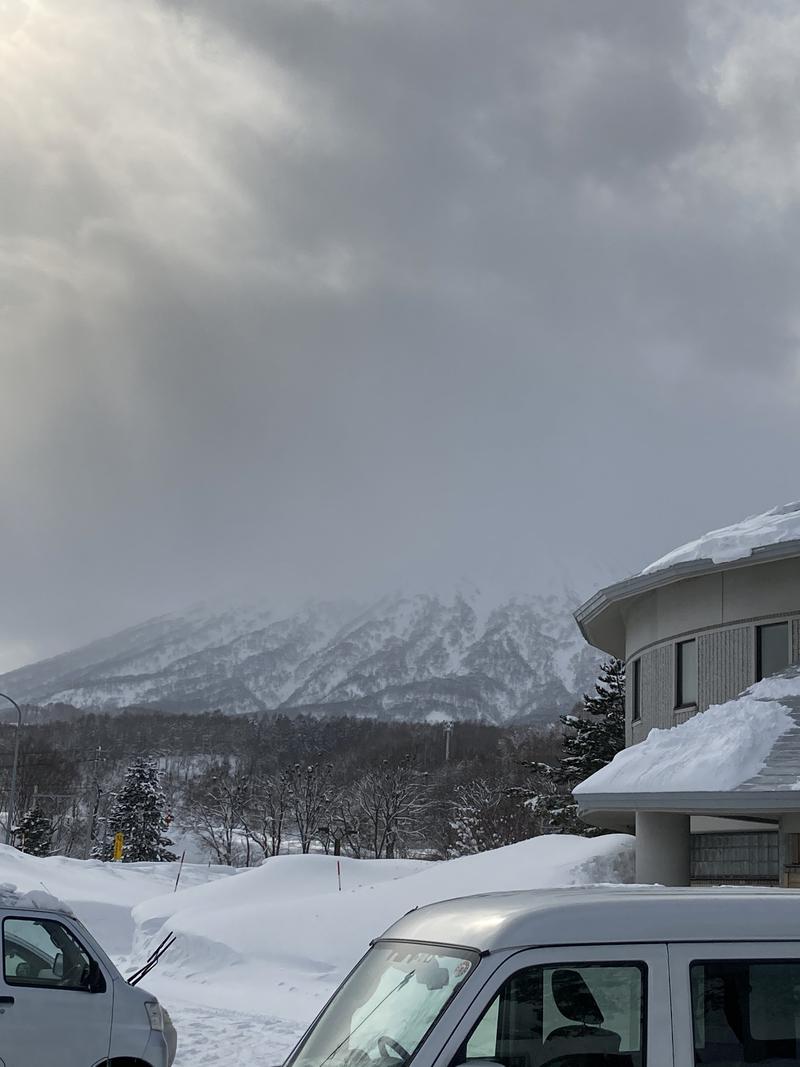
(591, 741)
(35, 833)
(138, 814)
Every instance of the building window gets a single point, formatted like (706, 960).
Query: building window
(636, 701)
(686, 674)
(772, 649)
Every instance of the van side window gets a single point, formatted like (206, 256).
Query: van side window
(746, 1011)
(42, 952)
(568, 1013)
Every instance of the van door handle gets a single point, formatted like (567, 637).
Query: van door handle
(6, 1000)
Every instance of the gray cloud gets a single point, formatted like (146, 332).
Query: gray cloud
(322, 297)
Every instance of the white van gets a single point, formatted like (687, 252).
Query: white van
(605, 977)
(63, 1003)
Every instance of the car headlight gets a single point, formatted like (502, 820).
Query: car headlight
(154, 1014)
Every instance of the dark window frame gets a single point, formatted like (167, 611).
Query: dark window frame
(459, 1059)
(636, 696)
(759, 654)
(680, 703)
(741, 961)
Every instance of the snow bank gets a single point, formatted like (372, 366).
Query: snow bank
(737, 541)
(258, 952)
(101, 894)
(717, 750)
(282, 936)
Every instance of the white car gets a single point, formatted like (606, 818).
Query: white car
(63, 1003)
(605, 977)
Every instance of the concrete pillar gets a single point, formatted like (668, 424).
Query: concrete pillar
(662, 848)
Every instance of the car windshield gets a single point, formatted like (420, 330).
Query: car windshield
(385, 1008)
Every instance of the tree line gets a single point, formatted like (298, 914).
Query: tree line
(249, 787)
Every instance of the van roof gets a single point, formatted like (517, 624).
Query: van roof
(604, 915)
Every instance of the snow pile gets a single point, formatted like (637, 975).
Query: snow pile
(101, 894)
(33, 900)
(258, 952)
(737, 541)
(717, 750)
(280, 938)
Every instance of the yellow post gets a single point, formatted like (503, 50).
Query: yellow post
(119, 840)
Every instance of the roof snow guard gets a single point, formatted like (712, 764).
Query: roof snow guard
(748, 749)
(772, 535)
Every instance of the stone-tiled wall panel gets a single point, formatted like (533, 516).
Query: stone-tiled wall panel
(657, 691)
(725, 664)
(735, 858)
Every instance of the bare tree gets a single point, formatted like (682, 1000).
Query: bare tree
(391, 803)
(345, 829)
(309, 800)
(265, 812)
(486, 815)
(215, 805)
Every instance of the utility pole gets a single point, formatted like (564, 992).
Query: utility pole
(448, 729)
(96, 807)
(12, 792)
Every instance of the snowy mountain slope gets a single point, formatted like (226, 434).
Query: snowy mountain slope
(418, 657)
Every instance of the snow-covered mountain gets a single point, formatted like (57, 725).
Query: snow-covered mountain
(416, 657)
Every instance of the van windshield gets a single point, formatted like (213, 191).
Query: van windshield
(383, 1011)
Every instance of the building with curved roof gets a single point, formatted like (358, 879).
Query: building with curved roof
(709, 634)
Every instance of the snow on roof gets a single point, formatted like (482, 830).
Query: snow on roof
(718, 750)
(33, 900)
(737, 541)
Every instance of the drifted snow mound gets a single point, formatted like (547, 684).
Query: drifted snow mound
(285, 935)
(737, 541)
(101, 894)
(717, 750)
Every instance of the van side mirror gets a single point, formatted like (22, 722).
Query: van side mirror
(96, 982)
(58, 965)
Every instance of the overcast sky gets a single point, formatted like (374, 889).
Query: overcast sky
(323, 296)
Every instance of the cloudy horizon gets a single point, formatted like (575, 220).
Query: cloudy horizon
(329, 297)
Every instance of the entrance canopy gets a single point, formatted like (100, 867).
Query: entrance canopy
(739, 759)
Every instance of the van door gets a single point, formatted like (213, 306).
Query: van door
(736, 1003)
(50, 1017)
(582, 1006)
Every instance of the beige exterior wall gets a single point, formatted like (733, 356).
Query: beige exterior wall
(721, 611)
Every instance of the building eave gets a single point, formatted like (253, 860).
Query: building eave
(617, 811)
(600, 617)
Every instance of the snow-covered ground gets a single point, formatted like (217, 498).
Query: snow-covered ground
(258, 952)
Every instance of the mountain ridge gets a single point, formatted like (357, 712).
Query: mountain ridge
(417, 657)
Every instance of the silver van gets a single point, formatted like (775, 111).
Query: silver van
(63, 1003)
(601, 977)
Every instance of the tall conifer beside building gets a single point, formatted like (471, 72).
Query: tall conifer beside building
(591, 740)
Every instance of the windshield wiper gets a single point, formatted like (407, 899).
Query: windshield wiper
(152, 960)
